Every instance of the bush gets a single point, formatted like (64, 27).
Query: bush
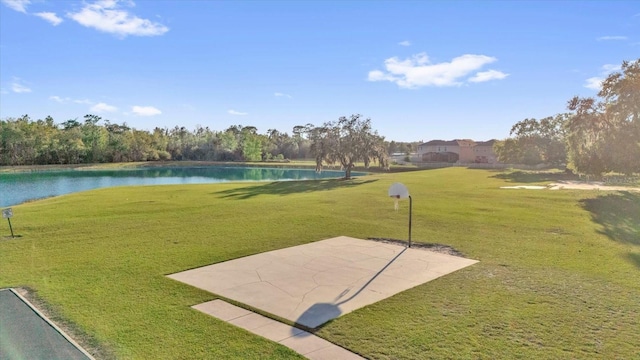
(164, 155)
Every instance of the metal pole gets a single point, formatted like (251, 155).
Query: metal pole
(10, 228)
(410, 210)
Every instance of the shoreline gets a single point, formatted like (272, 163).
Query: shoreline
(145, 165)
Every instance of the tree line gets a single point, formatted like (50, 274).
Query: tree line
(24, 141)
(597, 135)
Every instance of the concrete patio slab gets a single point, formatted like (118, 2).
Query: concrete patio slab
(314, 283)
(301, 341)
(332, 353)
(305, 343)
(222, 310)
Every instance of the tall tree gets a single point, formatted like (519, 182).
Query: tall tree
(535, 142)
(251, 146)
(604, 135)
(346, 142)
(508, 151)
(94, 138)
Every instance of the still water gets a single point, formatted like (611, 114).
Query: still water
(16, 188)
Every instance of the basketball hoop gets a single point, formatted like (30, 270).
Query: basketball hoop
(398, 191)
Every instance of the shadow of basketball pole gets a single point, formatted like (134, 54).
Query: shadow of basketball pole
(320, 313)
(373, 278)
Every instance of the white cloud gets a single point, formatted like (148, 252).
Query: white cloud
(614, 37)
(418, 71)
(107, 16)
(483, 76)
(17, 5)
(103, 107)
(67, 100)
(145, 110)
(57, 99)
(609, 68)
(593, 83)
(233, 112)
(405, 43)
(278, 94)
(50, 17)
(19, 88)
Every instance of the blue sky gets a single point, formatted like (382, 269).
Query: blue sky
(420, 70)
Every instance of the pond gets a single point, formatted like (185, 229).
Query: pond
(16, 188)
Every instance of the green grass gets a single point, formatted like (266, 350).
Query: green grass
(301, 164)
(558, 275)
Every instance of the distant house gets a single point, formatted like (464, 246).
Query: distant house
(462, 151)
(483, 152)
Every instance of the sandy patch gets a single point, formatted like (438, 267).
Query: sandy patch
(527, 187)
(575, 185)
(591, 185)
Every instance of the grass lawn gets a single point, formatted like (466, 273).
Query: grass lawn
(559, 271)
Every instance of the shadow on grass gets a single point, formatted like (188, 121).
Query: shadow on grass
(619, 215)
(292, 187)
(634, 258)
(535, 177)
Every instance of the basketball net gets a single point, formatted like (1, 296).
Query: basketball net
(395, 202)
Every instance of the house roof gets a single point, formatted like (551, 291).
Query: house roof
(486, 143)
(459, 142)
(440, 142)
(455, 142)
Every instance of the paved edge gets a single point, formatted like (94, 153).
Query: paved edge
(301, 341)
(54, 326)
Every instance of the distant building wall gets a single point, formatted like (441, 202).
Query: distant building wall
(483, 152)
(468, 151)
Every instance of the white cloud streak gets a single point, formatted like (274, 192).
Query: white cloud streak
(67, 100)
(489, 75)
(405, 43)
(17, 5)
(57, 99)
(609, 68)
(50, 17)
(418, 71)
(107, 16)
(278, 94)
(145, 110)
(611, 37)
(237, 113)
(595, 83)
(103, 107)
(19, 88)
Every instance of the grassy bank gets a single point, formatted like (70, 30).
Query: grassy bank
(302, 164)
(557, 278)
